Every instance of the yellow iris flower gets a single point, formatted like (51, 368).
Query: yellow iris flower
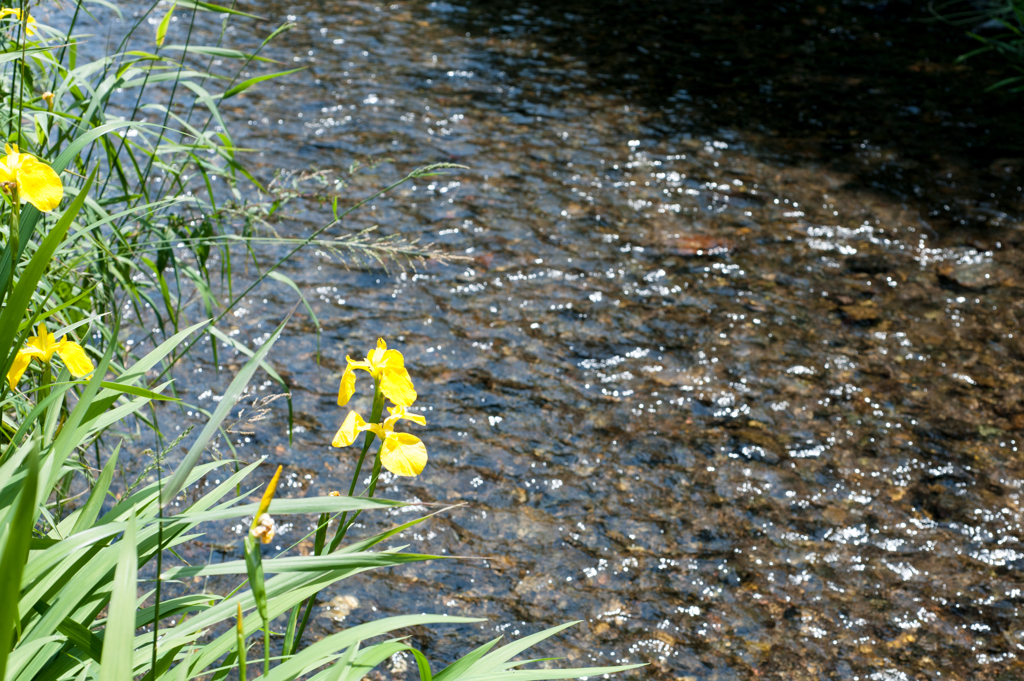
(37, 182)
(389, 367)
(42, 347)
(401, 453)
(30, 24)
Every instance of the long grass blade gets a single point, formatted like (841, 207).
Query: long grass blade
(15, 553)
(227, 402)
(120, 630)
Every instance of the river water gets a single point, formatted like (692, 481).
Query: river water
(734, 369)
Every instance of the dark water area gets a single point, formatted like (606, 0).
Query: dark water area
(734, 373)
(808, 81)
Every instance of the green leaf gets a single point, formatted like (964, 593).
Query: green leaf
(463, 664)
(253, 567)
(161, 29)
(210, 7)
(207, 99)
(29, 51)
(223, 52)
(423, 664)
(333, 561)
(88, 514)
(246, 84)
(310, 655)
(135, 390)
(15, 553)
(343, 669)
(287, 281)
(238, 345)
(505, 653)
(551, 674)
(81, 636)
(287, 507)
(105, 398)
(67, 440)
(119, 636)
(227, 402)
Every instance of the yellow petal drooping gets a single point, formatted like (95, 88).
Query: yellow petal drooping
(350, 429)
(21, 362)
(74, 358)
(30, 23)
(403, 454)
(348, 386)
(42, 346)
(396, 384)
(397, 413)
(7, 174)
(39, 184)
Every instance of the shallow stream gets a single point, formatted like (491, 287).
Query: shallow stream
(734, 370)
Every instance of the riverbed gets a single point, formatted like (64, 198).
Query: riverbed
(732, 368)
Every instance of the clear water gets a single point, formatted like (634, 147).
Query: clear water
(745, 400)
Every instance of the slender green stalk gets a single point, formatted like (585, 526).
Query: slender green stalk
(240, 632)
(45, 379)
(15, 237)
(159, 562)
(376, 415)
(344, 524)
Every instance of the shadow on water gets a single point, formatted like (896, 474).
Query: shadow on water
(811, 81)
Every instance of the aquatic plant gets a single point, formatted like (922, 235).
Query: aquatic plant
(119, 214)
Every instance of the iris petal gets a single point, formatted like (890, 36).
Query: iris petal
(350, 429)
(39, 184)
(377, 354)
(348, 386)
(74, 358)
(7, 174)
(396, 384)
(21, 362)
(403, 454)
(397, 413)
(393, 359)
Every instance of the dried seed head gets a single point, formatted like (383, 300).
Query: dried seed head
(264, 528)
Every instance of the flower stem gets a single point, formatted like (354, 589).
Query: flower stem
(375, 417)
(44, 383)
(241, 646)
(14, 242)
(344, 524)
(266, 647)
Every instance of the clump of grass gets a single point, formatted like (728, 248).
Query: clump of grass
(998, 25)
(99, 235)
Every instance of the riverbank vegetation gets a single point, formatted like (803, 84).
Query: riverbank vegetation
(998, 25)
(125, 202)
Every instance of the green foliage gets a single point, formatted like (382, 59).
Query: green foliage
(998, 25)
(143, 224)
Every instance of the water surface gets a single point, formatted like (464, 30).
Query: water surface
(738, 387)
